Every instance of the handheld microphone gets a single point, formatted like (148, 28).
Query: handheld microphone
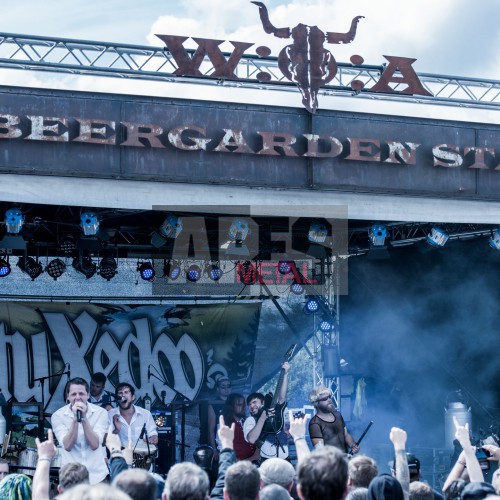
(78, 415)
(149, 373)
(143, 431)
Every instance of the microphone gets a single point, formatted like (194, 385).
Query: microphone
(78, 415)
(69, 370)
(143, 431)
(149, 373)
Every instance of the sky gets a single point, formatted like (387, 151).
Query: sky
(449, 37)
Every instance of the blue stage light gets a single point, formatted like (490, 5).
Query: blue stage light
(284, 266)
(214, 272)
(312, 305)
(4, 268)
(326, 325)
(90, 223)
(193, 273)
(377, 235)
(297, 288)
(437, 237)
(494, 241)
(146, 271)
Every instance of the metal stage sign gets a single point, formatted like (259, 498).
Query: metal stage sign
(105, 136)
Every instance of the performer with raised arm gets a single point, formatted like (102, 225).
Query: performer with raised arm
(80, 427)
(270, 437)
(328, 426)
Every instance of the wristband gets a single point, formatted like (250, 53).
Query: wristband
(115, 450)
(302, 436)
(48, 459)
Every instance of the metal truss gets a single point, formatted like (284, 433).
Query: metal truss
(329, 272)
(82, 57)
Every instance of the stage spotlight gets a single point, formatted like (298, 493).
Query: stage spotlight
(4, 268)
(171, 228)
(55, 268)
(89, 223)
(437, 237)
(284, 266)
(107, 268)
(297, 288)
(146, 270)
(377, 235)
(85, 266)
(326, 325)
(68, 244)
(239, 230)
(193, 273)
(30, 266)
(247, 272)
(14, 220)
(317, 232)
(171, 270)
(494, 241)
(312, 305)
(214, 272)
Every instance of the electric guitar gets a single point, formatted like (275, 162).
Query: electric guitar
(274, 424)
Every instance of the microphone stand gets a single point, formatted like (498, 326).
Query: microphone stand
(42, 383)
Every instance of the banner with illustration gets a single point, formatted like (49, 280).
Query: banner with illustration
(170, 352)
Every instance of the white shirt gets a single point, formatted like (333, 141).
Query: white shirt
(268, 449)
(81, 452)
(131, 432)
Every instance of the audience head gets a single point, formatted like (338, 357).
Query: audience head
(72, 474)
(138, 484)
(15, 487)
(454, 490)
(477, 490)
(358, 493)
(420, 491)
(274, 492)
(362, 470)
(323, 475)
(186, 480)
(96, 492)
(242, 481)
(277, 471)
(4, 467)
(413, 466)
(385, 487)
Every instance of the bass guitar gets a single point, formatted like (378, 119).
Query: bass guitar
(274, 424)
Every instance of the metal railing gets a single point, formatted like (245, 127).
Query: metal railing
(81, 57)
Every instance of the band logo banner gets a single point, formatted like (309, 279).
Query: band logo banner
(168, 351)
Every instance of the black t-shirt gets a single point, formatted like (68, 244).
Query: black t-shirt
(332, 433)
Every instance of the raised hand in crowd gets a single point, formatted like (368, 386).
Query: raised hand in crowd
(398, 437)
(41, 480)
(226, 434)
(462, 434)
(298, 433)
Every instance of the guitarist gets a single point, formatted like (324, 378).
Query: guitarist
(272, 444)
(328, 426)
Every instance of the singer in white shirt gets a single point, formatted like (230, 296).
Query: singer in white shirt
(80, 427)
(133, 424)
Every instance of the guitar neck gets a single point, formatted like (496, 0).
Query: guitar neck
(279, 385)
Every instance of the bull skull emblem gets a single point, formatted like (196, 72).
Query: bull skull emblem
(306, 62)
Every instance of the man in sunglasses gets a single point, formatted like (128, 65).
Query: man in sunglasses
(328, 426)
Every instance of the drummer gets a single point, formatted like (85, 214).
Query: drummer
(131, 421)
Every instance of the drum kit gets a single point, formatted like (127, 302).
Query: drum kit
(18, 449)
